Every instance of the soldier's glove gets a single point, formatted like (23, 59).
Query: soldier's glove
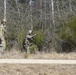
(35, 34)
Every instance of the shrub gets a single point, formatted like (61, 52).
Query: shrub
(20, 38)
(33, 49)
(72, 26)
(39, 38)
(68, 36)
(10, 41)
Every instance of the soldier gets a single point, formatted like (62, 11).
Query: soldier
(2, 30)
(29, 40)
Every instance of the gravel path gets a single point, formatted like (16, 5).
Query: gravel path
(21, 69)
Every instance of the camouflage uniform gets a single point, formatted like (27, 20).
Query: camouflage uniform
(29, 40)
(2, 40)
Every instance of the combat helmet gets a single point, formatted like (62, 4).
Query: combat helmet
(3, 21)
(30, 31)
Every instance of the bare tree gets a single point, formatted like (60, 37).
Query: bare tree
(41, 12)
(58, 8)
(45, 13)
(31, 9)
(5, 9)
(17, 8)
(70, 5)
(53, 23)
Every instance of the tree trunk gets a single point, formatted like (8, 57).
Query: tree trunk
(31, 14)
(45, 15)
(41, 13)
(58, 8)
(53, 23)
(17, 8)
(5, 9)
(70, 6)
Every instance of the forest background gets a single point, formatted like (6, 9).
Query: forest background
(53, 20)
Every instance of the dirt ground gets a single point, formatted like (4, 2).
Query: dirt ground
(16, 54)
(21, 69)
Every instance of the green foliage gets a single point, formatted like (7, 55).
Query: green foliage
(10, 40)
(68, 33)
(39, 38)
(20, 38)
(69, 30)
(33, 49)
(72, 26)
(63, 34)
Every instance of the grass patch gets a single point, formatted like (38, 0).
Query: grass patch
(39, 38)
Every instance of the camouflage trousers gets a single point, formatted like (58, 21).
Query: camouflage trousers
(2, 44)
(31, 48)
(28, 45)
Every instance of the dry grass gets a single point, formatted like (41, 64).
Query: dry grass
(18, 69)
(52, 55)
(11, 54)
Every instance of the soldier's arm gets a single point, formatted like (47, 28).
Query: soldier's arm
(31, 36)
(34, 35)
